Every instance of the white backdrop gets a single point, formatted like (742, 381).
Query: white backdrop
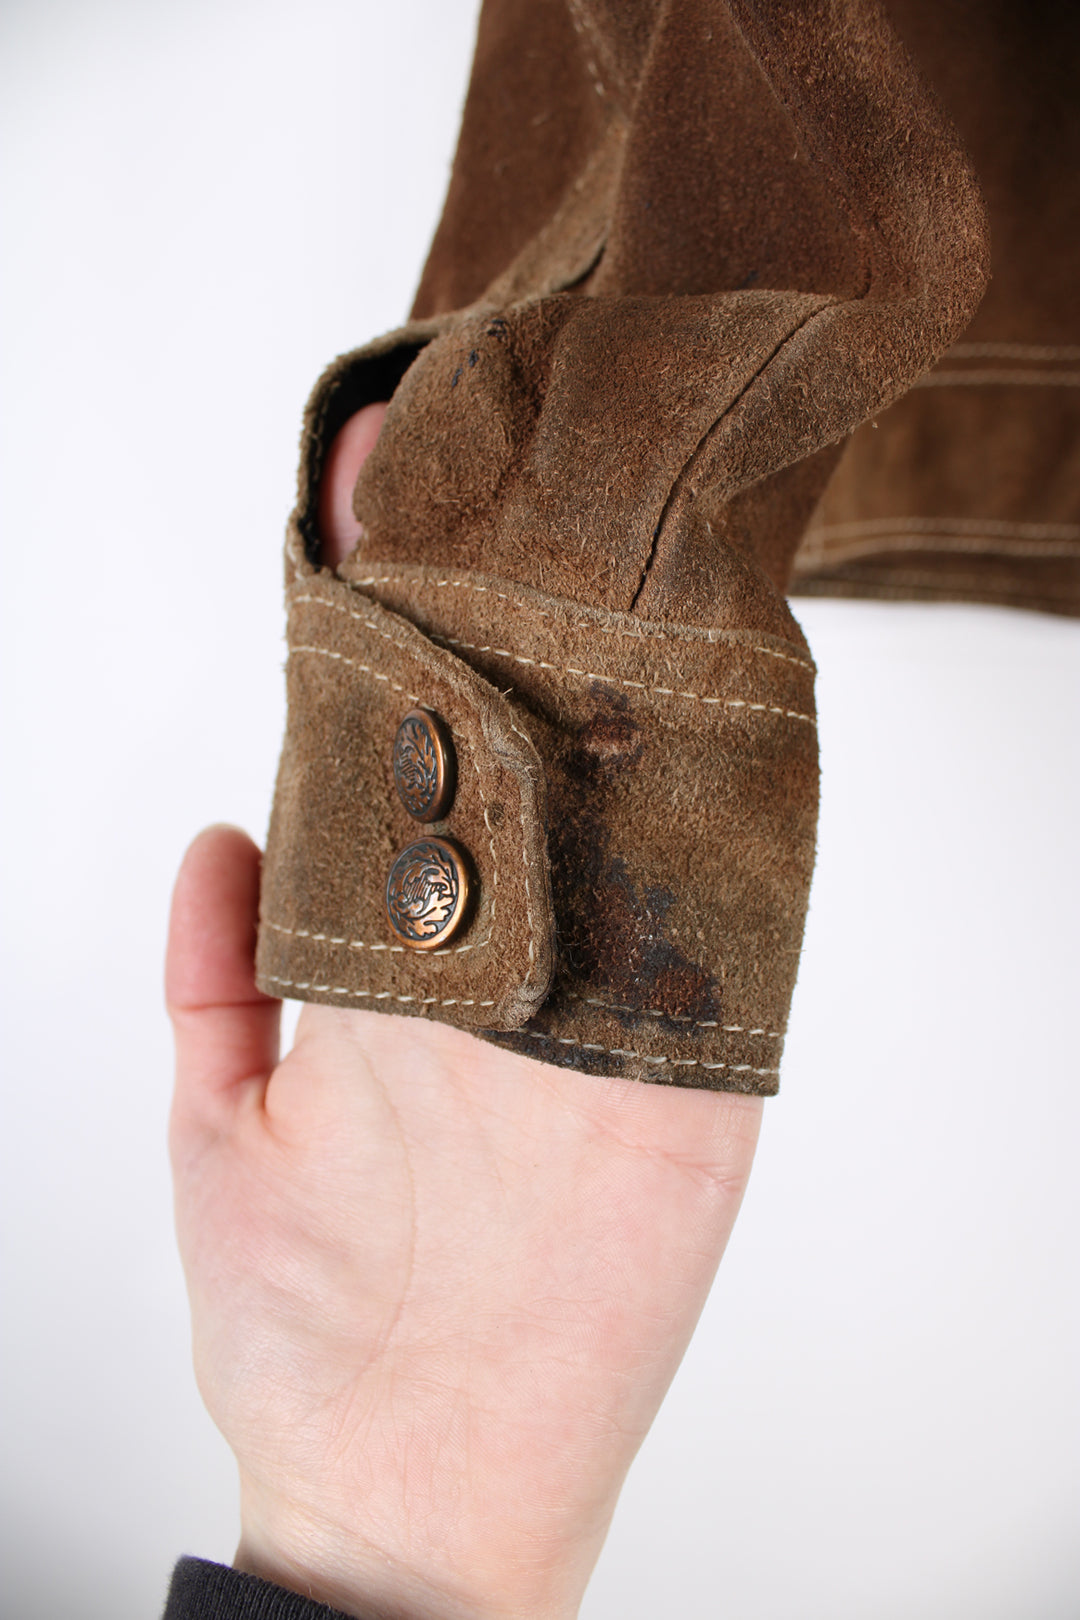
(880, 1415)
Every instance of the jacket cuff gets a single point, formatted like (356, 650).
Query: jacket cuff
(201, 1590)
(634, 807)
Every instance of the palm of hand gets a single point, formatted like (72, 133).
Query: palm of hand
(438, 1292)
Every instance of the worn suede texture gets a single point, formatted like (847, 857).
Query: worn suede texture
(969, 488)
(354, 670)
(642, 338)
(676, 760)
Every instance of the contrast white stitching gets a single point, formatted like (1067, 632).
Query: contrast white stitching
(622, 1051)
(674, 1018)
(800, 663)
(615, 680)
(452, 585)
(329, 939)
(519, 602)
(1015, 351)
(836, 542)
(371, 995)
(999, 379)
(351, 613)
(948, 525)
(899, 541)
(354, 663)
(894, 587)
(941, 581)
(583, 28)
(539, 663)
(533, 1035)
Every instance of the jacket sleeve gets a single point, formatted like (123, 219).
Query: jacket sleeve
(687, 248)
(968, 488)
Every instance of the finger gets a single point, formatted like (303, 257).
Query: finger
(226, 1030)
(339, 527)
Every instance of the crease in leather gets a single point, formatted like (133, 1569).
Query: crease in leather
(684, 480)
(515, 472)
(567, 249)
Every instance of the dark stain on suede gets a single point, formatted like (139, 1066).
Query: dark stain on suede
(613, 930)
(608, 742)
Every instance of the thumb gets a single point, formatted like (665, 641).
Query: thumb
(226, 1030)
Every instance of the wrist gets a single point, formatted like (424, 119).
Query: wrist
(385, 1577)
(330, 1563)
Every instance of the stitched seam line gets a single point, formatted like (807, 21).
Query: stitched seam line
(638, 686)
(863, 584)
(818, 547)
(539, 663)
(941, 581)
(372, 995)
(672, 1018)
(519, 602)
(583, 29)
(354, 663)
(588, 1001)
(976, 527)
(622, 1051)
(330, 939)
(999, 379)
(1014, 351)
(586, 1046)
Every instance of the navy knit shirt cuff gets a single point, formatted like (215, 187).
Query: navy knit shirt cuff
(204, 1591)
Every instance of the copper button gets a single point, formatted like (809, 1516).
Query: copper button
(424, 765)
(428, 893)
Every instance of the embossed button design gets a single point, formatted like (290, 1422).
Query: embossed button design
(424, 765)
(428, 893)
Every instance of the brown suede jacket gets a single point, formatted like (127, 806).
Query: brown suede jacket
(703, 322)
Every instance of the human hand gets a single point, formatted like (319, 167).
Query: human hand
(339, 527)
(438, 1290)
